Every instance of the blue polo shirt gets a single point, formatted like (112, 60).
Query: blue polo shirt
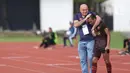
(71, 29)
(83, 37)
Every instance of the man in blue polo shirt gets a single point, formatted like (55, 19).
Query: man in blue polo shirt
(86, 43)
(70, 35)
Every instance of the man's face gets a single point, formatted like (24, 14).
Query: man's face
(71, 25)
(84, 10)
(91, 21)
(129, 39)
(50, 30)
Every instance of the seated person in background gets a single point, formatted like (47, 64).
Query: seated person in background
(70, 34)
(126, 47)
(48, 40)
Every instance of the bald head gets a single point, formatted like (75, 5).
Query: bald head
(84, 9)
(83, 6)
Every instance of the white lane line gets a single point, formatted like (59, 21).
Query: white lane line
(45, 65)
(67, 68)
(25, 69)
(27, 61)
(21, 68)
(77, 57)
(103, 66)
(126, 63)
(2, 65)
(61, 64)
(15, 57)
(55, 60)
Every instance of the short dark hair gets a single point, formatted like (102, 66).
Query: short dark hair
(50, 28)
(93, 16)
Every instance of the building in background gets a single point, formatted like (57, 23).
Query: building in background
(56, 14)
(41, 14)
(107, 13)
(19, 14)
(117, 11)
(121, 15)
(35, 14)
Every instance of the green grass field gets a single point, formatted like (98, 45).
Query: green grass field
(116, 39)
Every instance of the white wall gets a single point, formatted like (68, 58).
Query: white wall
(56, 14)
(121, 15)
(107, 7)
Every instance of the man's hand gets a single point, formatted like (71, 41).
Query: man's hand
(87, 16)
(107, 48)
(93, 33)
(92, 29)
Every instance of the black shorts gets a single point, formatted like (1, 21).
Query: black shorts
(98, 52)
(99, 47)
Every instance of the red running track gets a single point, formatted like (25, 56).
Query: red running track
(23, 58)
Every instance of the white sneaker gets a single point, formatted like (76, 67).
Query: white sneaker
(49, 48)
(120, 52)
(36, 47)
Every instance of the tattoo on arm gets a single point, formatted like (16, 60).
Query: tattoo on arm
(79, 23)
